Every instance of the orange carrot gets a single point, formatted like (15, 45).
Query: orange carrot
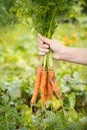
(42, 87)
(55, 88)
(37, 83)
(50, 76)
(46, 93)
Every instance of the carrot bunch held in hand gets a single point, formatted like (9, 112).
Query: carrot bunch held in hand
(46, 16)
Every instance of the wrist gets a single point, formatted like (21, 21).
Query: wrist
(63, 53)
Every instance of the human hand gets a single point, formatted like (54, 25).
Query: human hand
(56, 46)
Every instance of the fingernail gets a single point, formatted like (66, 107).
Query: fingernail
(47, 46)
(41, 42)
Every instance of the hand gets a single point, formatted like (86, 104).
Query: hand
(56, 46)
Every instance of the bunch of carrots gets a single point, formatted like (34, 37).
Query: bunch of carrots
(46, 16)
(46, 82)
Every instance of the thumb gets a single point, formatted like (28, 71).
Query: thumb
(44, 39)
(55, 55)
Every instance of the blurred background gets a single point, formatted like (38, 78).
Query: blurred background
(19, 60)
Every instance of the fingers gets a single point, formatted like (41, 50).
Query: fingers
(43, 51)
(42, 45)
(44, 39)
(42, 48)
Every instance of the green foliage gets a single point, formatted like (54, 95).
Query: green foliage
(9, 118)
(5, 16)
(46, 14)
(18, 61)
(17, 75)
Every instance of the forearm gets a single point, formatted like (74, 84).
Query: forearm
(75, 55)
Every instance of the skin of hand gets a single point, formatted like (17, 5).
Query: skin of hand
(56, 46)
(61, 52)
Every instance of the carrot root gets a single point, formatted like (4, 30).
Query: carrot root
(43, 86)
(50, 90)
(55, 88)
(37, 83)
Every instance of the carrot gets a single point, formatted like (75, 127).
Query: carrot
(42, 86)
(46, 93)
(37, 83)
(50, 76)
(55, 88)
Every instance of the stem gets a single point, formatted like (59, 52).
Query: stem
(49, 55)
(44, 61)
(50, 60)
(49, 31)
(47, 59)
